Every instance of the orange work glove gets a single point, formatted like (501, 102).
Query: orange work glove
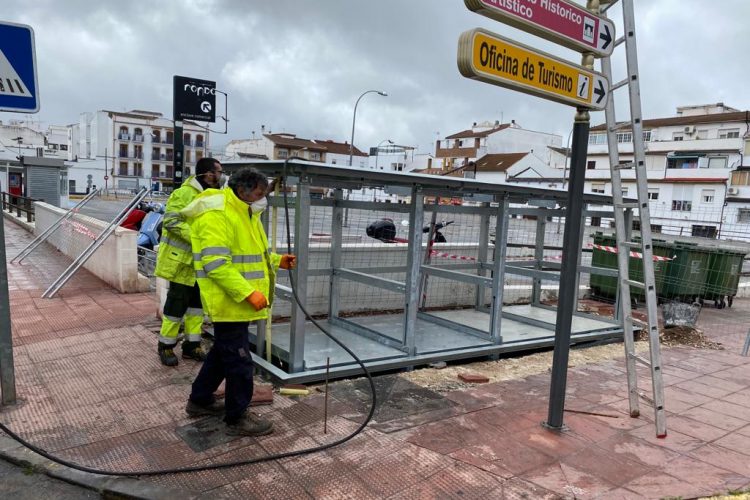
(288, 261)
(257, 300)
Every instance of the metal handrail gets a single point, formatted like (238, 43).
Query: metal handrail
(48, 232)
(81, 259)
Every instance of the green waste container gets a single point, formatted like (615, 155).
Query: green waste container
(723, 276)
(685, 276)
(606, 286)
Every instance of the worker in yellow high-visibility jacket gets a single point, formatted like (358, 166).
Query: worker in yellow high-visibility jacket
(236, 274)
(174, 262)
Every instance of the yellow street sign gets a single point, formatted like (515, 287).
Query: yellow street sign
(493, 59)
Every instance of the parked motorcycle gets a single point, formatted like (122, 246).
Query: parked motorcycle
(150, 232)
(385, 230)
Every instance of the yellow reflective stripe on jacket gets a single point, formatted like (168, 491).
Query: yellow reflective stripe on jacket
(175, 243)
(175, 258)
(219, 221)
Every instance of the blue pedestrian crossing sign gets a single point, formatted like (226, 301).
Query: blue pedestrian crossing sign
(19, 91)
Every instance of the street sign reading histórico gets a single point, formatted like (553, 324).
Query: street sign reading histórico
(19, 91)
(490, 58)
(559, 21)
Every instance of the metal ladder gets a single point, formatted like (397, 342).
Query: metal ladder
(623, 219)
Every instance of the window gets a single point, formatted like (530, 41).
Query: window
(656, 228)
(198, 155)
(624, 137)
(717, 162)
(707, 196)
(186, 139)
(682, 205)
(138, 170)
(682, 198)
(701, 134)
(282, 153)
(154, 171)
(677, 136)
(123, 168)
(682, 162)
(741, 178)
(63, 147)
(732, 133)
(653, 194)
(704, 231)
(591, 165)
(624, 192)
(597, 187)
(596, 221)
(315, 155)
(743, 215)
(646, 136)
(598, 139)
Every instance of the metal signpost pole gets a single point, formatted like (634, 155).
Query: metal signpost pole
(566, 295)
(7, 374)
(20, 95)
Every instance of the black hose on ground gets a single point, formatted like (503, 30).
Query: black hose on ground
(224, 465)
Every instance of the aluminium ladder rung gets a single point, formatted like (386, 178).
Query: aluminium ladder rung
(627, 205)
(641, 360)
(631, 244)
(628, 165)
(638, 322)
(636, 284)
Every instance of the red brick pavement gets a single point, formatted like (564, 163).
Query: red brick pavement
(92, 390)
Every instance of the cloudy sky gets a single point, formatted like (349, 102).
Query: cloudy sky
(299, 66)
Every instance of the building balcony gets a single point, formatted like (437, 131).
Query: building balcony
(187, 142)
(460, 152)
(138, 138)
(198, 144)
(123, 137)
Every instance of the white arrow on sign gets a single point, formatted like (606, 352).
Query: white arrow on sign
(10, 82)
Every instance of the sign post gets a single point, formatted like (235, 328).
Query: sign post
(496, 60)
(192, 99)
(19, 91)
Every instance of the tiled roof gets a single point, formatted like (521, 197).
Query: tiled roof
(484, 133)
(500, 162)
(675, 121)
(292, 141)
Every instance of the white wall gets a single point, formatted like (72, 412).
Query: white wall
(115, 262)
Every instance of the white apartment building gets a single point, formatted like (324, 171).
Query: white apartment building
(127, 150)
(281, 146)
(697, 170)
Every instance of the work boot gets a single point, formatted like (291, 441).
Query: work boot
(250, 425)
(193, 350)
(195, 410)
(166, 355)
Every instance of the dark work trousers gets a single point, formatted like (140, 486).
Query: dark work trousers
(229, 359)
(180, 297)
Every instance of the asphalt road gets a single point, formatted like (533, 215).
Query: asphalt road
(24, 483)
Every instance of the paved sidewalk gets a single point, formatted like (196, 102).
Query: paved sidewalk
(93, 391)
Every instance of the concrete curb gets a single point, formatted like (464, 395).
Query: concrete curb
(106, 486)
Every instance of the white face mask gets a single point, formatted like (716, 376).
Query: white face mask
(259, 206)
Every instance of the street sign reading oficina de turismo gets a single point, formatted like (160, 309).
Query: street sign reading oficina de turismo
(558, 21)
(490, 58)
(19, 91)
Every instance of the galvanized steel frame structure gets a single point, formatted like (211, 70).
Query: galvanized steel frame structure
(493, 199)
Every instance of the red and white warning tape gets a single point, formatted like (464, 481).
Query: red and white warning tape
(450, 256)
(80, 228)
(637, 255)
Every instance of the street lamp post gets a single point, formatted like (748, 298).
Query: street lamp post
(354, 119)
(351, 142)
(377, 151)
